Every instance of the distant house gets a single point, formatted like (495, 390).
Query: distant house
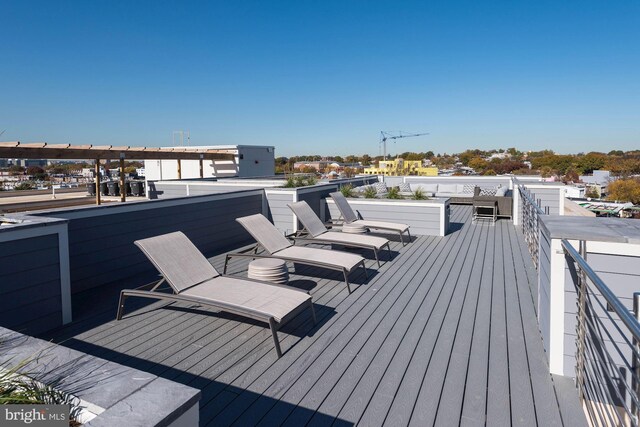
(318, 165)
(500, 156)
(599, 180)
(400, 166)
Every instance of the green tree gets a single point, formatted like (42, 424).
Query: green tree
(590, 162)
(557, 164)
(592, 192)
(351, 159)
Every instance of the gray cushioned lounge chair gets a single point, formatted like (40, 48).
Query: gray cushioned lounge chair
(276, 245)
(320, 234)
(350, 217)
(193, 279)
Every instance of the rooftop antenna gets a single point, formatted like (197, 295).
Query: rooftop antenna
(385, 135)
(180, 136)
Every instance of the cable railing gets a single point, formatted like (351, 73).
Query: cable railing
(530, 222)
(607, 346)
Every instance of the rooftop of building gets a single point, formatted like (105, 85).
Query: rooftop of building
(444, 332)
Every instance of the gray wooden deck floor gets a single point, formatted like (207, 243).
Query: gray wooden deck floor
(444, 334)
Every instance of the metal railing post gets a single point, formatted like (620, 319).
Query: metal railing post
(603, 343)
(635, 363)
(581, 326)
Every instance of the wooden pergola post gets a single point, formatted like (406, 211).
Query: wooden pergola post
(179, 169)
(201, 166)
(123, 184)
(96, 172)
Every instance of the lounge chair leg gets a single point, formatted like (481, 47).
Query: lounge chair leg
(123, 297)
(366, 273)
(375, 252)
(226, 260)
(313, 312)
(346, 280)
(389, 251)
(409, 235)
(401, 239)
(274, 333)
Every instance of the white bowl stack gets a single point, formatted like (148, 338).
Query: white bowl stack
(269, 270)
(354, 228)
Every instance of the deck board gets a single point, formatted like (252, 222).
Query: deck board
(444, 333)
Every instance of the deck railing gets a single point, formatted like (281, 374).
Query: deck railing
(530, 222)
(607, 346)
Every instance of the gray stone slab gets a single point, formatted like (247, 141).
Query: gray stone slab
(158, 403)
(129, 395)
(592, 229)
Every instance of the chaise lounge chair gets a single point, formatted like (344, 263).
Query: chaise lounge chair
(195, 280)
(278, 246)
(320, 234)
(350, 217)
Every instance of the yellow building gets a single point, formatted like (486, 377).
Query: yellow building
(402, 167)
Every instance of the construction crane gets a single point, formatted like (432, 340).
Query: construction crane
(385, 135)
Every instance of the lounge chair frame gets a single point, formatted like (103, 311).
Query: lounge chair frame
(301, 235)
(274, 325)
(275, 245)
(363, 221)
(245, 253)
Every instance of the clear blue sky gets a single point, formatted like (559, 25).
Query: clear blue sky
(323, 77)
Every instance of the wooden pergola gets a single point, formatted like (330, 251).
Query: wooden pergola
(43, 150)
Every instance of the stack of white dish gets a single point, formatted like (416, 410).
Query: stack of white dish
(269, 270)
(354, 228)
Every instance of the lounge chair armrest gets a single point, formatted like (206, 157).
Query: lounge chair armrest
(291, 288)
(303, 239)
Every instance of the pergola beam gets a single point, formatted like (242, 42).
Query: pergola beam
(42, 150)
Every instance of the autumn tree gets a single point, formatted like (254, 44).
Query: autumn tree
(308, 169)
(571, 176)
(349, 172)
(623, 167)
(16, 170)
(625, 190)
(507, 166)
(557, 164)
(478, 164)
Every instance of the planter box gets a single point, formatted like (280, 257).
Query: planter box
(425, 217)
(116, 394)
